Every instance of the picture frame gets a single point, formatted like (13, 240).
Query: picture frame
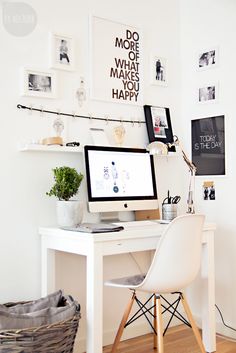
(208, 58)
(121, 68)
(38, 83)
(208, 145)
(158, 123)
(208, 93)
(158, 70)
(62, 52)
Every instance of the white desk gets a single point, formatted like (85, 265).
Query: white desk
(95, 246)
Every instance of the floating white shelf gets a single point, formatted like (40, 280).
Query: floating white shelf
(170, 154)
(43, 148)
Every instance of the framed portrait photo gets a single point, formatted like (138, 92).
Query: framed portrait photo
(208, 58)
(158, 124)
(62, 52)
(208, 93)
(38, 83)
(158, 70)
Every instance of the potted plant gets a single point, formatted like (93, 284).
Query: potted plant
(67, 183)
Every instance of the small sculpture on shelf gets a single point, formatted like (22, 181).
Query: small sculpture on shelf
(58, 126)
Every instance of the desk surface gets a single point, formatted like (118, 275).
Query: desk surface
(131, 233)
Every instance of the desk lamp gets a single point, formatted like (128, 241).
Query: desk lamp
(162, 149)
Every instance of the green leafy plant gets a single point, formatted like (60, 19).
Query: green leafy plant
(67, 183)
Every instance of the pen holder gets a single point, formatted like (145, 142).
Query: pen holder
(169, 211)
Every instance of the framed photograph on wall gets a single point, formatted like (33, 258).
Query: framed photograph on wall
(62, 52)
(158, 70)
(208, 93)
(208, 58)
(38, 83)
(159, 124)
(208, 145)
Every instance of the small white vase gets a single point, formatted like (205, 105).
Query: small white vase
(69, 213)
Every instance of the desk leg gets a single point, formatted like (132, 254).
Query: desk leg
(94, 300)
(208, 294)
(47, 269)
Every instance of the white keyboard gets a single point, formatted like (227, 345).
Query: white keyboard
(145, 223)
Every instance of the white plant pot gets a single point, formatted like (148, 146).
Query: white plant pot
(69, 213)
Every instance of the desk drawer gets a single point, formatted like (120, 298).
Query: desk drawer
(129, 245)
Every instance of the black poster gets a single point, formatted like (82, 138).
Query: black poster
(208, 145)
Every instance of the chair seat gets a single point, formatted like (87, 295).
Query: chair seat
(126, 282)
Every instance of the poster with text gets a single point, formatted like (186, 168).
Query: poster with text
(208, 145)
(116, 62)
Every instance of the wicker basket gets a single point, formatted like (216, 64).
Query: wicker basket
(55, 338)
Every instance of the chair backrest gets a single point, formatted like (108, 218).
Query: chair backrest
(178, 256)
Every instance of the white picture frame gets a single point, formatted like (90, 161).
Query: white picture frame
(208, 93)
(208, 58)
(62, 52)
(158, 70)
(38, 83)
(116, 62)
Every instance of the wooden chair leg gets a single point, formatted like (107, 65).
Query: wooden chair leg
(192, 322)
(122, 323)
(159, 326)
(155, 323)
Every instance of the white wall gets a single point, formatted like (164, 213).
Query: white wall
(205, 24)
(25, 177)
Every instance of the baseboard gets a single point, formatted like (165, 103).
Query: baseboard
(220, 328)
(134, 330)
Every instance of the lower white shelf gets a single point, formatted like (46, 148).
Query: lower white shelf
(53, 148)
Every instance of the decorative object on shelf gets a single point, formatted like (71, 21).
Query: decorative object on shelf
(192, 168)
(120, 70)
(106, 119)
(119, 134)
(208, 58)
(62, 52)
(208, 93)
(58, 126)
(38, 83)
(73, 144)
(158, 70)
(81, 93)
(208, 145)
(159, 125)
(67, 183)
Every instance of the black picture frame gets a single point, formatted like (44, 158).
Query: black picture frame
(159, 124)
(208, 145)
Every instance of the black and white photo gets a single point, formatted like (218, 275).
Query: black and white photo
(208, 93)
(158, 70)
(62, 52)
(37, 83)
(208, 58)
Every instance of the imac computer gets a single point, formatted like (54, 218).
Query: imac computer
(120, 179)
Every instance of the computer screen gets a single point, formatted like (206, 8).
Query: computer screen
(120, 179)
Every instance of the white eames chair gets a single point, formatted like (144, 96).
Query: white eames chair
(175, 265)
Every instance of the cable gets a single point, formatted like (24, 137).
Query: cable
(136, 262)
(231, 328)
